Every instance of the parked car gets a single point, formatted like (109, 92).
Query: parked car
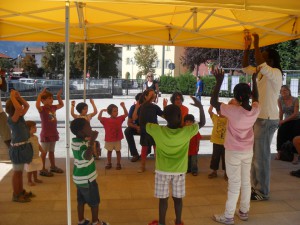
(56, 85)
(28, 84)
(39, 84)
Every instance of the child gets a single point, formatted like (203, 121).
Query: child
(147, 112)
(20, 150)
(172, 144)
(217, 138)
(238, 144)
(113, 132)
(189, 119)
(82, 109)
(36, 163)
(84, 171)
(49, 133)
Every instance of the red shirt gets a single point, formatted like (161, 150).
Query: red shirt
(194, 144)
(49, 131)
(113, 128)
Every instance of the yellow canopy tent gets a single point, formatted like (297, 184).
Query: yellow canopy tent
(205, 23)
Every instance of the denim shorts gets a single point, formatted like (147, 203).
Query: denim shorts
(89, 195)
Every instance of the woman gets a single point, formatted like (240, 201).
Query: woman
(152, 84)
(289, 120)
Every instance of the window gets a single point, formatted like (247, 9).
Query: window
(128, 47)
(168, 48)
(167, 63)
(127, 61)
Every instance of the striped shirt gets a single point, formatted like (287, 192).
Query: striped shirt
(84, 170)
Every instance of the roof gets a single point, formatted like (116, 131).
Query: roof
(205, 23)
(2, 55)
(34, 50)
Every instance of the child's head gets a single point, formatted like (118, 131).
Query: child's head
(172, 114)
(81, 128)
(47, 98)
(242, 93)
(177, 98)
(82, 108)
(189, 119)
(112, 110)
(148, 95)
(31, 126)
(138, 96)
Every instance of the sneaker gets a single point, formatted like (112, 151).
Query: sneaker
(20, 198)
(212, 175)
(223, 219)
(256, 196)
(102, 223)
(108, 166)
(241, 215)
(86, 222)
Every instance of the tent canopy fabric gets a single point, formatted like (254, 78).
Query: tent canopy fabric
(205, 23)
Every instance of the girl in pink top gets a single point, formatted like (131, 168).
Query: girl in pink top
(113, 132)
(239, 140)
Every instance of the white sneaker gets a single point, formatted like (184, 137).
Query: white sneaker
(222, 219)
(241, 215)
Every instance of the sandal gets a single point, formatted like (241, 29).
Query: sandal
(118, 166)
(56, 170)
(212, 175)
(46, 173)
(20, 198)
(108, 166)
(28, 194)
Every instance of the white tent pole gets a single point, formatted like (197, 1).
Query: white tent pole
(67, 98)
(84, 71)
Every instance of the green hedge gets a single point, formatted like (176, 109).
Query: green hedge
(186, 84)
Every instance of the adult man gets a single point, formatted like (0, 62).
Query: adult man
(269, 81)
(4, 129)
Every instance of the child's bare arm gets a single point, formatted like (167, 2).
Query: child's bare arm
(219, 75)
(199, 105)
(124, 108)
(210, 111)
(41, 149)
(72, 110)
(60, 102)
(95, 110)
(135, 115)
(15, 96)
(205, 137)
(39, 99)
(88, 154)
(100, 113)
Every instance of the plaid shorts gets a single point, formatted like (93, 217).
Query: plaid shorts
(162, 182)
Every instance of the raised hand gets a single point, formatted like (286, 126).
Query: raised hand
(196, 103)
(219, 75)
(248, 40)
(256, 39)
(94, 135)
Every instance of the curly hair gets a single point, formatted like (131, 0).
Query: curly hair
(175, 95)
(77, 125)
(46, 95)
(80, 106)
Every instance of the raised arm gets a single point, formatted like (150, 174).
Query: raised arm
(248, 42)
(20, 104)
(100, 113)
(124, 108)
(95, 110)
(60, 102)
(135, 114)
(254, 88)
(72, 110)
(39, 99)
(199, 105)
(219, 75)
(88, 154)
(259, 59)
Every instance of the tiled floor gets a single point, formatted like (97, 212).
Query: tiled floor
(127, 197)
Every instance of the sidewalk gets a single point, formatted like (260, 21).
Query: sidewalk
(127, 197)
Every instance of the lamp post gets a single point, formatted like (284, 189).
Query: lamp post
(56, 63)
(94, 49)
(132, 62)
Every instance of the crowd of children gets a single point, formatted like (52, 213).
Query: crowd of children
(176, 146)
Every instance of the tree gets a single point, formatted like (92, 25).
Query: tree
(289, 51)
(54, 58)
(29, 65)
(6, 64)
(145, 56)
(227, 58)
